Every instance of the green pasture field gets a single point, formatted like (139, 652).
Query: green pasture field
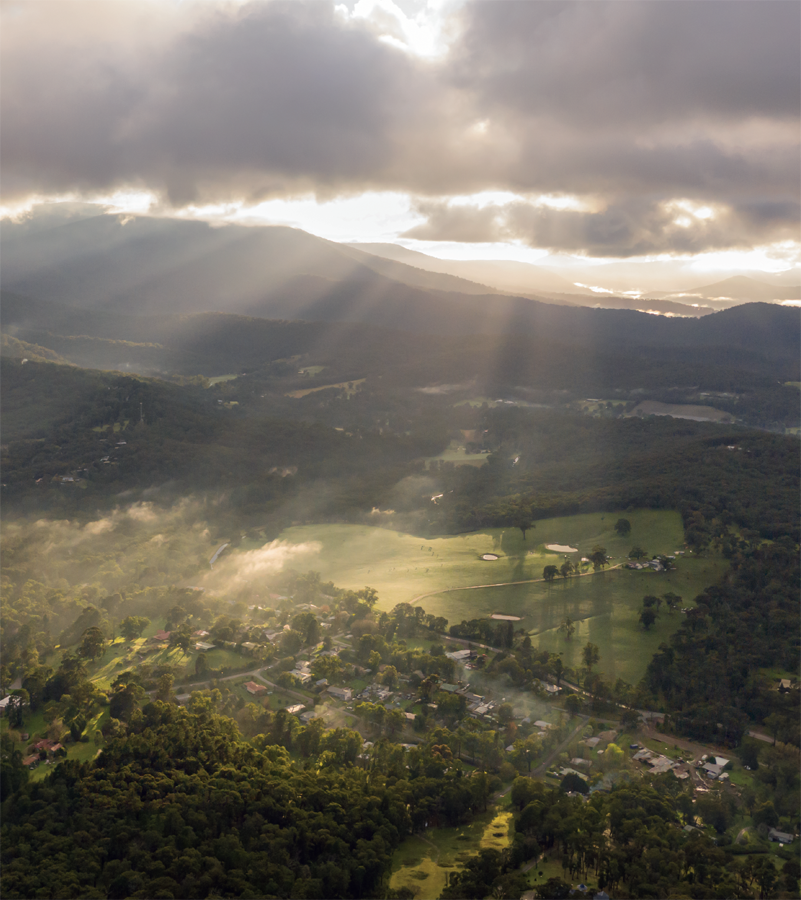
(456, 453)
(604, 605)
(422, 863)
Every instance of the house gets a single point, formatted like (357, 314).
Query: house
(339, 693)
(780, 837)
(295, 710)
(566, 770)
(460, 655)
(543, 726)
(200, 633)
(578, 763)
(661, 765)
(203, 646)
(307, 716)
(249, 646)
(302, 677)
(253, 687)
(161, 636)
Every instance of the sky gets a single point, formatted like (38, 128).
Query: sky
(549, 132)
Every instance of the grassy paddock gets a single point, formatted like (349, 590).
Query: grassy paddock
(422, 863)
(457, 454)
(605, 606)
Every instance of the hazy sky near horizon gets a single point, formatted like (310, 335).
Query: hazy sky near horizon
(620, 130)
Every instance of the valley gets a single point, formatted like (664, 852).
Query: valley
(434, 571)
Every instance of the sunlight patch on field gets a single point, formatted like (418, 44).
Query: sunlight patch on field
(605, 605)
(422, 863)
(350, 387)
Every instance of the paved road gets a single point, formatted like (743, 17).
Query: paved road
(543, 766)
(254, 673)
(761, 737)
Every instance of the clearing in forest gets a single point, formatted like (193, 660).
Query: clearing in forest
(440, 574)
(422, 862)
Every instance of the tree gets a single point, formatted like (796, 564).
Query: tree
(598, 557)
(307, 627)
(613, 756)
(671, 600)
(558, 668)
(749, 753)
(34, 683)
(549, 573)
(573, 704)
(647, 617)
(566, 569)
(13, 774)
(568, 626)
(623, 527)
(124, 699)
(427, 687)
(291, 642)
(19, 699)
(637, 553)
(389, 677)
(201, 665)
(590, 654)
(181, 638)
(132, 627)
(164, 687)
(522, 519)
(93, 643)
(573, 783)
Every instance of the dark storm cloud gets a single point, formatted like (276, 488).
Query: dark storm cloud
(629, 105)
(623, 63)
(629, 227)
(259, 100)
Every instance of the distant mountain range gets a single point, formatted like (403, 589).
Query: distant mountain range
(88, 290)
(730, 291)
(523, 278)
